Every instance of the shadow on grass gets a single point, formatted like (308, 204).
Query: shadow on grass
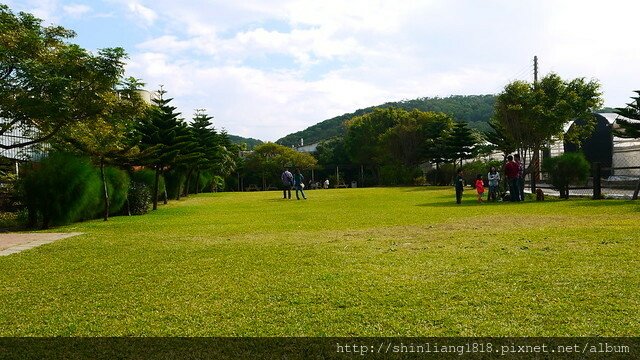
(602, 203)
(468, 203)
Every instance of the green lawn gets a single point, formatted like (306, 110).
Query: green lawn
(367, 262)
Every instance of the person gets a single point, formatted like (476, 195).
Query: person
(326, 184)
(287, 182)
(516, 159)
(511, 171)
(459, 187)
(494, 181)
(298, 183)
(480, 187)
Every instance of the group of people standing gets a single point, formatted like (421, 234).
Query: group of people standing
(296, 181)
(514, 172)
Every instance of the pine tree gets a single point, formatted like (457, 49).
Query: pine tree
(164, 140)
(461, 143)
(206, 144)
(632, 111)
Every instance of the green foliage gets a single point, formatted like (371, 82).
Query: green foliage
(498, 138)
(165, 140)
(473, 109)
(533, 114)
(147, 177)
(461, 143)
(118, 186)
(217, 183)
(139, 198)
(269, 160)
(332, 152)
(630, 129)
(175, 181)
(441, 175)
(391, 137)
(61, 189)
(245, 143)
(398, 174)
(473, 168)
(46, 83)
(566, 169)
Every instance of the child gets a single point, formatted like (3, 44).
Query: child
(494, 182)
(479, 187)
(459, 186)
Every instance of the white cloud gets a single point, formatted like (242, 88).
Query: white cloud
(76, 10)
(265, 68)
(142, 12)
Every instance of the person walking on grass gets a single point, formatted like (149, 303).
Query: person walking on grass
(459, 186)
(480, 187)
(298, 183)
(287, 183)
(516, 159)
(494, 181)
(511, 170)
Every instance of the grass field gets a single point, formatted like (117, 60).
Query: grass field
(365, 262)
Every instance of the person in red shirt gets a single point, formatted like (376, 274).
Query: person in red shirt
(511, 171)
(479, 187)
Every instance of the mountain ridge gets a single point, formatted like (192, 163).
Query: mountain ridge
(476, 110)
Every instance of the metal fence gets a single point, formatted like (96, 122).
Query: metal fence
(620, 181)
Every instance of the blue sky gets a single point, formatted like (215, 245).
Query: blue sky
(267, 68)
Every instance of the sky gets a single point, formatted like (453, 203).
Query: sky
(268, 68)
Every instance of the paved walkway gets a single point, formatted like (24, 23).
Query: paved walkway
(12, 243)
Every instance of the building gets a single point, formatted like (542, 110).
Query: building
(617, 155)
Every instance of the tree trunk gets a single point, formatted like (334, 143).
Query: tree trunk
(166, 196)
(155, 189)
(198, 182)
(188, 183)
(535, 161)
(105, 191)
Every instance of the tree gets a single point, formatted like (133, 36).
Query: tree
(499, 139)
(212, 148)
(269, 158)
(107, 139)
(566, 169)
(436, 132)
(363, 138)
(535, 114)
(164, 140)
(461, 143)
(630, 129)
(332, 152)
(47, 84)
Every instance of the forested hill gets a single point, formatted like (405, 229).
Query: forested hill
(473, 109)
(251, 142)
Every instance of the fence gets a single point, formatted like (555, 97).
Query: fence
(621, 180)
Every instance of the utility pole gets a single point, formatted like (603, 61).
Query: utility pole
(535, 71)
(536, 157)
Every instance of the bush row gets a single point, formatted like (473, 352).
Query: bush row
(63, 188)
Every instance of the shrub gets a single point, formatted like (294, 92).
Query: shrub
(118, 186)
(206, 182)
(60, 190)
(395, 174)
(175, 181)
(148, 177)
(566, 169)
(441, 176)
(473, 168)
(217, 184)
(139, 198)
